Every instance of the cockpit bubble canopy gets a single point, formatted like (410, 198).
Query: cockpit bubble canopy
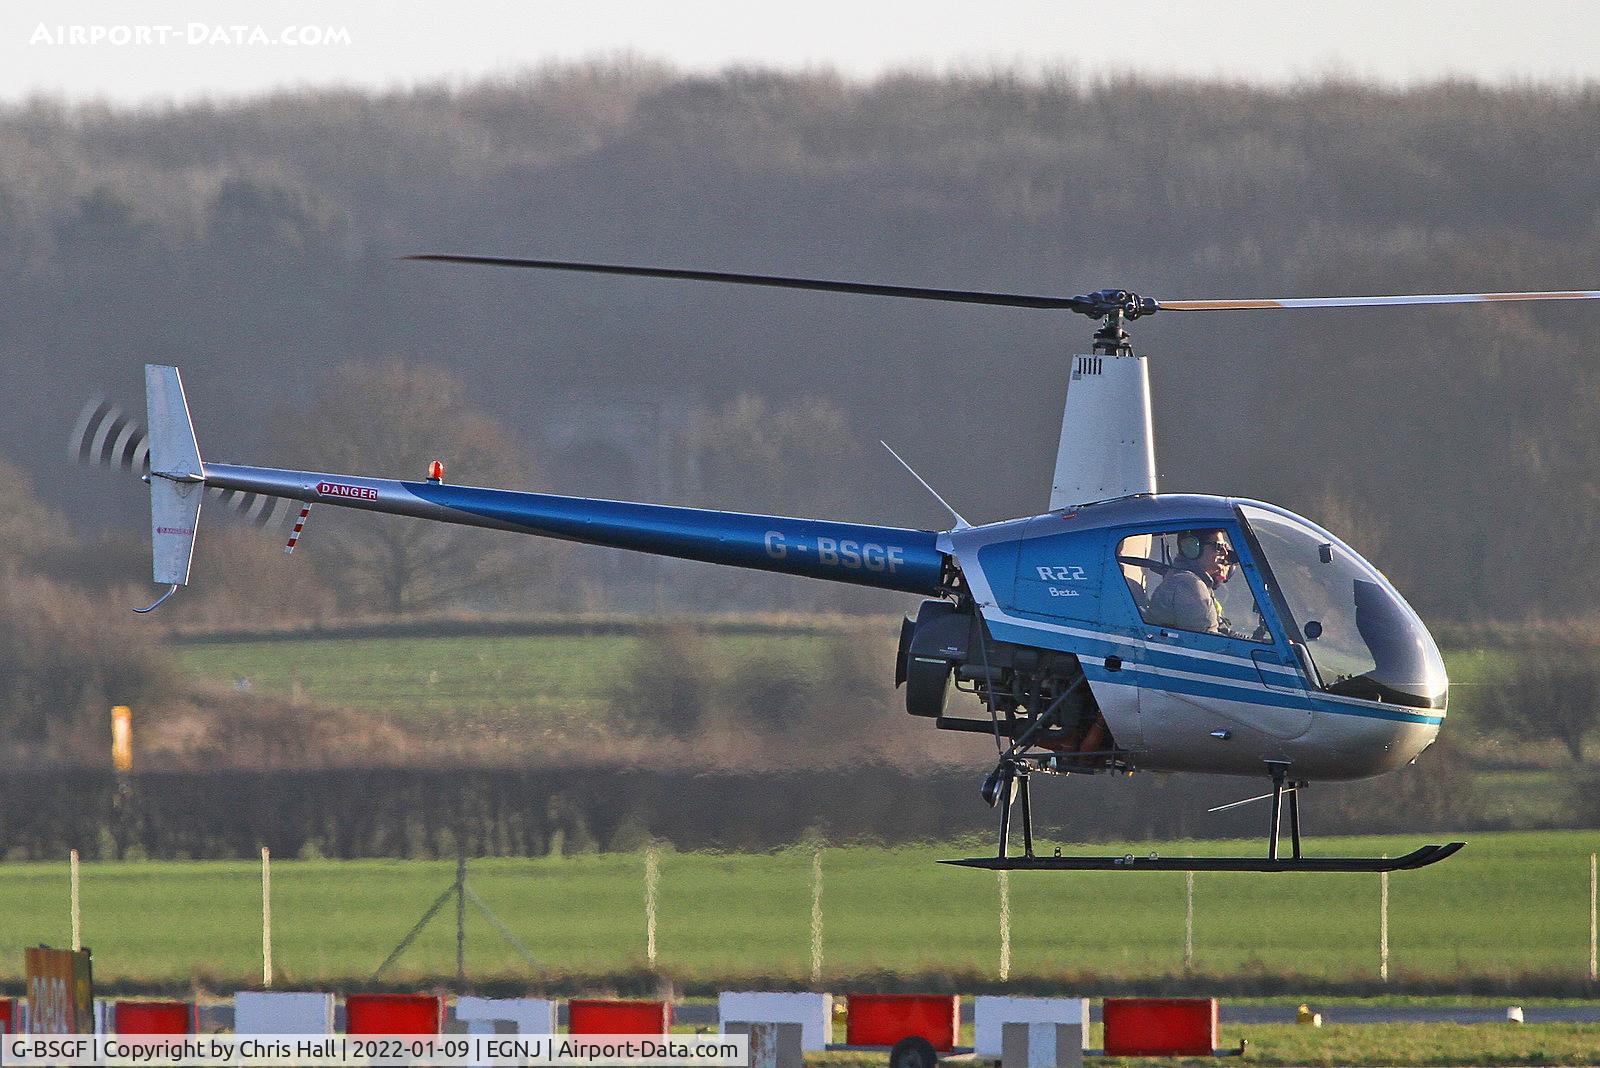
(1364, 639)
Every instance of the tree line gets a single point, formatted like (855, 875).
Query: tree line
(255, 243)
(428, 813)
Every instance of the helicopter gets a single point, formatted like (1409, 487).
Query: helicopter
(1121, 630)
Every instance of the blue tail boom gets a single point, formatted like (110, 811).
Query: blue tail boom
(892, 558)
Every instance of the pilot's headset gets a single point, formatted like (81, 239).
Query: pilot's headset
(1190, 544)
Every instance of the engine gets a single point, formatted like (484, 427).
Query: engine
(947, 646)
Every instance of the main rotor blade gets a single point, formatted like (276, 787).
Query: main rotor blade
(1094, 305)
(961, 296)
(1374, 302)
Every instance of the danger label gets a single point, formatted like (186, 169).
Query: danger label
(340, 489)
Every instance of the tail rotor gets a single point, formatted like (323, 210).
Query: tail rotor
(106, 436)
(167, 456)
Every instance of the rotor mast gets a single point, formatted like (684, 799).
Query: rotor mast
(1107, 444)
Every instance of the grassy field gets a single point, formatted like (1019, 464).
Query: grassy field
(1283, 1045)
(561, 686)
(1510, 905)
(559, 680)
(556, 678)
(1385, 1044)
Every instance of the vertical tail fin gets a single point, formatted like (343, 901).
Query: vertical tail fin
(177, 478)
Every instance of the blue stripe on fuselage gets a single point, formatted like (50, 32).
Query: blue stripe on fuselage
(1258, 695)
(1225, 680)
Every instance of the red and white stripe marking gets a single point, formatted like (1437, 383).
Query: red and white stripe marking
(299, 525)
(1376, 302)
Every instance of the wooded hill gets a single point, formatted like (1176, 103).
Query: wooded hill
(255, 245)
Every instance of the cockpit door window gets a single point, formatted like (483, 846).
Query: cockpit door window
(1191, 580)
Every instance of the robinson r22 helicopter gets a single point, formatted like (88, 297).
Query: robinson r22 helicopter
(1121, 630)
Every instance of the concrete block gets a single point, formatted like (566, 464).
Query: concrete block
(282, 1012)
(532, 1016)
(772, 1045)
(1041, 1045)
(813, 1012)
(990, 1014)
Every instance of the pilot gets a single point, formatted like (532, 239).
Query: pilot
(1187, 597)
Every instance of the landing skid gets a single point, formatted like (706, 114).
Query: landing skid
(1009, 783)
(1417, 858)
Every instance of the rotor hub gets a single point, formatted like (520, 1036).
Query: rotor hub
(1104, 302)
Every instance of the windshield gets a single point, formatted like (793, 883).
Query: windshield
(1363, 638)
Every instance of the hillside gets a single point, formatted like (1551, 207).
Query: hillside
(255, 243)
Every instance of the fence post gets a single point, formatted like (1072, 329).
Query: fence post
(1383, 925)
(1188, 921)
(1594, 920)
(652, 879)
(816, 915)
(266, 918)
(1005, 927)
(77, 916)
(461, 902)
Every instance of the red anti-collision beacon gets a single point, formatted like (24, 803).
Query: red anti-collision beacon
(436, 472)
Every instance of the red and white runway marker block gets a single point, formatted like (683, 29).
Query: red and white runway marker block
(1031, 1032)
(813, 1012)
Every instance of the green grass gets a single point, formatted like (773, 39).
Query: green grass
(557, 680)
(1530, 797)
(1273, 1045)
(1401, 1043)
(1509, 905)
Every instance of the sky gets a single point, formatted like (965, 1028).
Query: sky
(156, 51)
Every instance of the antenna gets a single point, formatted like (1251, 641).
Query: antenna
(961, 524)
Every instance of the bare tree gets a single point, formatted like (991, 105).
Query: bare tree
(1552, 692)
(30, 530)
(1467, 433)
(756, 458)
(392, 418)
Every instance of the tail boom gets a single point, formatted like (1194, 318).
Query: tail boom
(892, 558)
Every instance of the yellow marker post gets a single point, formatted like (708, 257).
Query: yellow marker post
(122, 738)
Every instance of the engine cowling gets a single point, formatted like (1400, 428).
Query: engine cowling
(932, 645)
(946, 644)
